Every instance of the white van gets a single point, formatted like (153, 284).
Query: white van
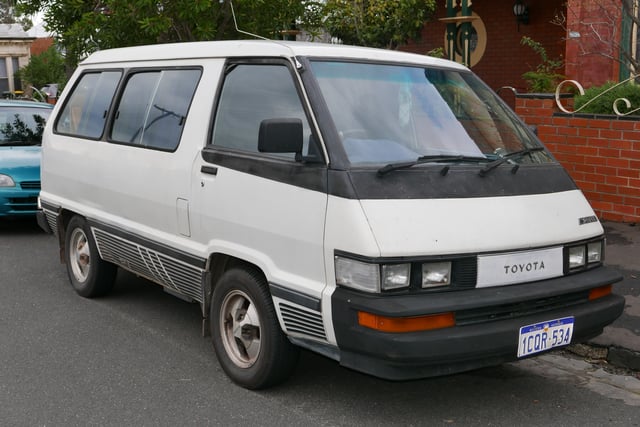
(384, 209)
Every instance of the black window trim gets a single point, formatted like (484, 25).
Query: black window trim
(125, 74)
(68, 98)
(232, 63)
(128, 73)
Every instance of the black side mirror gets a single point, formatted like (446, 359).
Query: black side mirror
(280, 136)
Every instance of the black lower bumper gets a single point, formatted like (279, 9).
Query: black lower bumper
(476, 341)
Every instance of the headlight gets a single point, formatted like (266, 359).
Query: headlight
(378, 276)
(576, 257)
(436, 274)
(594, 252)
(371, 277)
(585, 255)
(6, 181)
(395, 276)
(357, 274)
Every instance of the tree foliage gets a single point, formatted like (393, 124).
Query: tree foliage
(47, 67)
(377, 23)
(9, 15)
(84, 26)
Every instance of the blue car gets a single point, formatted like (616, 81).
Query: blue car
(21, 127)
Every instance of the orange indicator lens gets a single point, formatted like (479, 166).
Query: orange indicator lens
(600, 292)
(406, 324)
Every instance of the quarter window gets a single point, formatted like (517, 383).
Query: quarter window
(251, 94)
(85, 112)
(153, 108)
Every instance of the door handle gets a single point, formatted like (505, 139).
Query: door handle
(211, 170)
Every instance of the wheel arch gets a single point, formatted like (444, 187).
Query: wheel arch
(64, 216)
(217, 264)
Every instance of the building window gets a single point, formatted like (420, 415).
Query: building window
(15, 67)
(4, 77)
(9, 80)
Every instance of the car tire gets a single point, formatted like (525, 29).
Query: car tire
(251, 347)
(89, 275)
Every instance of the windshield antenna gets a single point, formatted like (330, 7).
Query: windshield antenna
(233, 13)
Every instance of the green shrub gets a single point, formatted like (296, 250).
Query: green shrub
(545, 77)
(542, 82)
(437, 52)
(602, 100)
(45, 68)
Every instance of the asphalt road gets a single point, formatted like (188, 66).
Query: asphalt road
(136, 358)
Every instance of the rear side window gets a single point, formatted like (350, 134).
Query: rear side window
(85, 112)
(153, 108)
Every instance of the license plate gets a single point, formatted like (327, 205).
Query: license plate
(544, 336)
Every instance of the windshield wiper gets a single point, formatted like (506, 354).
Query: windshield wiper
(511, 156)
(438, 158)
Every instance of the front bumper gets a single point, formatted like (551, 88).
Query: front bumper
(487, 324)
(15, 202)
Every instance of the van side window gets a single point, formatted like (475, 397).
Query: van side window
(153, 108)
(251, 94)
(85, 113)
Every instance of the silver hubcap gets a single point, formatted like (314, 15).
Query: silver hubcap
(79, 258)
(240, 329)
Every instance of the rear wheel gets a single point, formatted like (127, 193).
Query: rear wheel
(89, 275)
(251, 347)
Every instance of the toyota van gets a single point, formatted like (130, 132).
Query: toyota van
(383, 209)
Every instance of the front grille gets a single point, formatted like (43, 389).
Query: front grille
(30, 185)
(464, 272)
(21, 204)
(519, 309)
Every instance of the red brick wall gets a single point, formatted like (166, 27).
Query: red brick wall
(601, 154)
(567, 29)
(593, 42)
(505, 59)
(40, 45)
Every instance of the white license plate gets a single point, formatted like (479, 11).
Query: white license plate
(544, 336)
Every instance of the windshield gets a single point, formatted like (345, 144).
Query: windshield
(394, 113)
(22, 125)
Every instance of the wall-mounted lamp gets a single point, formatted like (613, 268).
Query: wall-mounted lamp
(521, 12)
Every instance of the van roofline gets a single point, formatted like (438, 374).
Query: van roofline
(263, 48)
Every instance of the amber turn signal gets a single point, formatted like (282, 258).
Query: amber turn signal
(600, 292)
(406, 324)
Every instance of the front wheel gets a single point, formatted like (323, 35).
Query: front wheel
(251, 347)
(89, 275)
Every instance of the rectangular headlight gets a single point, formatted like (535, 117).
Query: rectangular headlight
(357, 275)
(576, 256)
(594, 252)
(436, 274)
(395, 276)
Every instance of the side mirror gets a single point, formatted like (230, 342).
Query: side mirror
(280, 136)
